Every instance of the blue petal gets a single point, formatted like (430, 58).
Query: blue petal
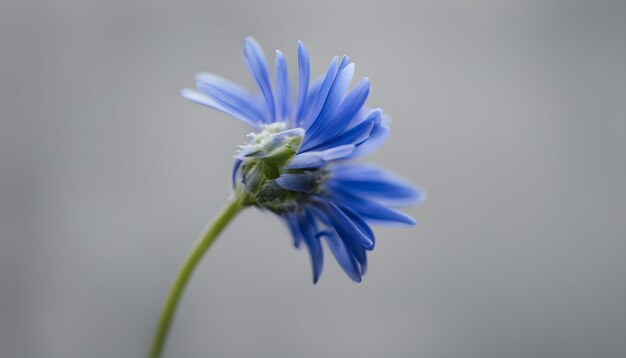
(345, 227)
(292, 224)
(357, 250)
(304, 73)
(345, 60)
(309, 231)
(201, 98)
(360, 223)
(320, 97)
(360, 255)
(296, 182)
(365, 114)
(351, 106)
(354, 136)
(354, 101)
(309, 101)
(231, 95)
(283, 92)
(379, 134)
(337, 152)
(374, 212)
(306, 160)
(257, 65)
(318, 159)
(344, 256)
(338, 88)
(235, 170)
(375, 183)
(341, 117)
(319, 130)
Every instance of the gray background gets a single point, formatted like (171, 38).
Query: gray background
(510, 113)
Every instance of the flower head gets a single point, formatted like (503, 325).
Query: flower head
(294, 162)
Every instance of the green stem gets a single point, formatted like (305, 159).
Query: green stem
(210, 234)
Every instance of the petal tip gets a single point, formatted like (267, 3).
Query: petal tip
(421, 196)
(184, 92)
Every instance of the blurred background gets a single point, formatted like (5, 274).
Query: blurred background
(509, 113)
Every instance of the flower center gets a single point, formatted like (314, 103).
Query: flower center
(264, 159)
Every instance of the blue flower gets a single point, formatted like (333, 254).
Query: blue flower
(294, 162)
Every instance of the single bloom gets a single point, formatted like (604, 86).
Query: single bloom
(294, 163)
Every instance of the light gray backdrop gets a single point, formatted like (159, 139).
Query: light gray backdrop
(509, 113)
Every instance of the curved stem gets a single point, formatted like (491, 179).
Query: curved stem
(204, 242)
